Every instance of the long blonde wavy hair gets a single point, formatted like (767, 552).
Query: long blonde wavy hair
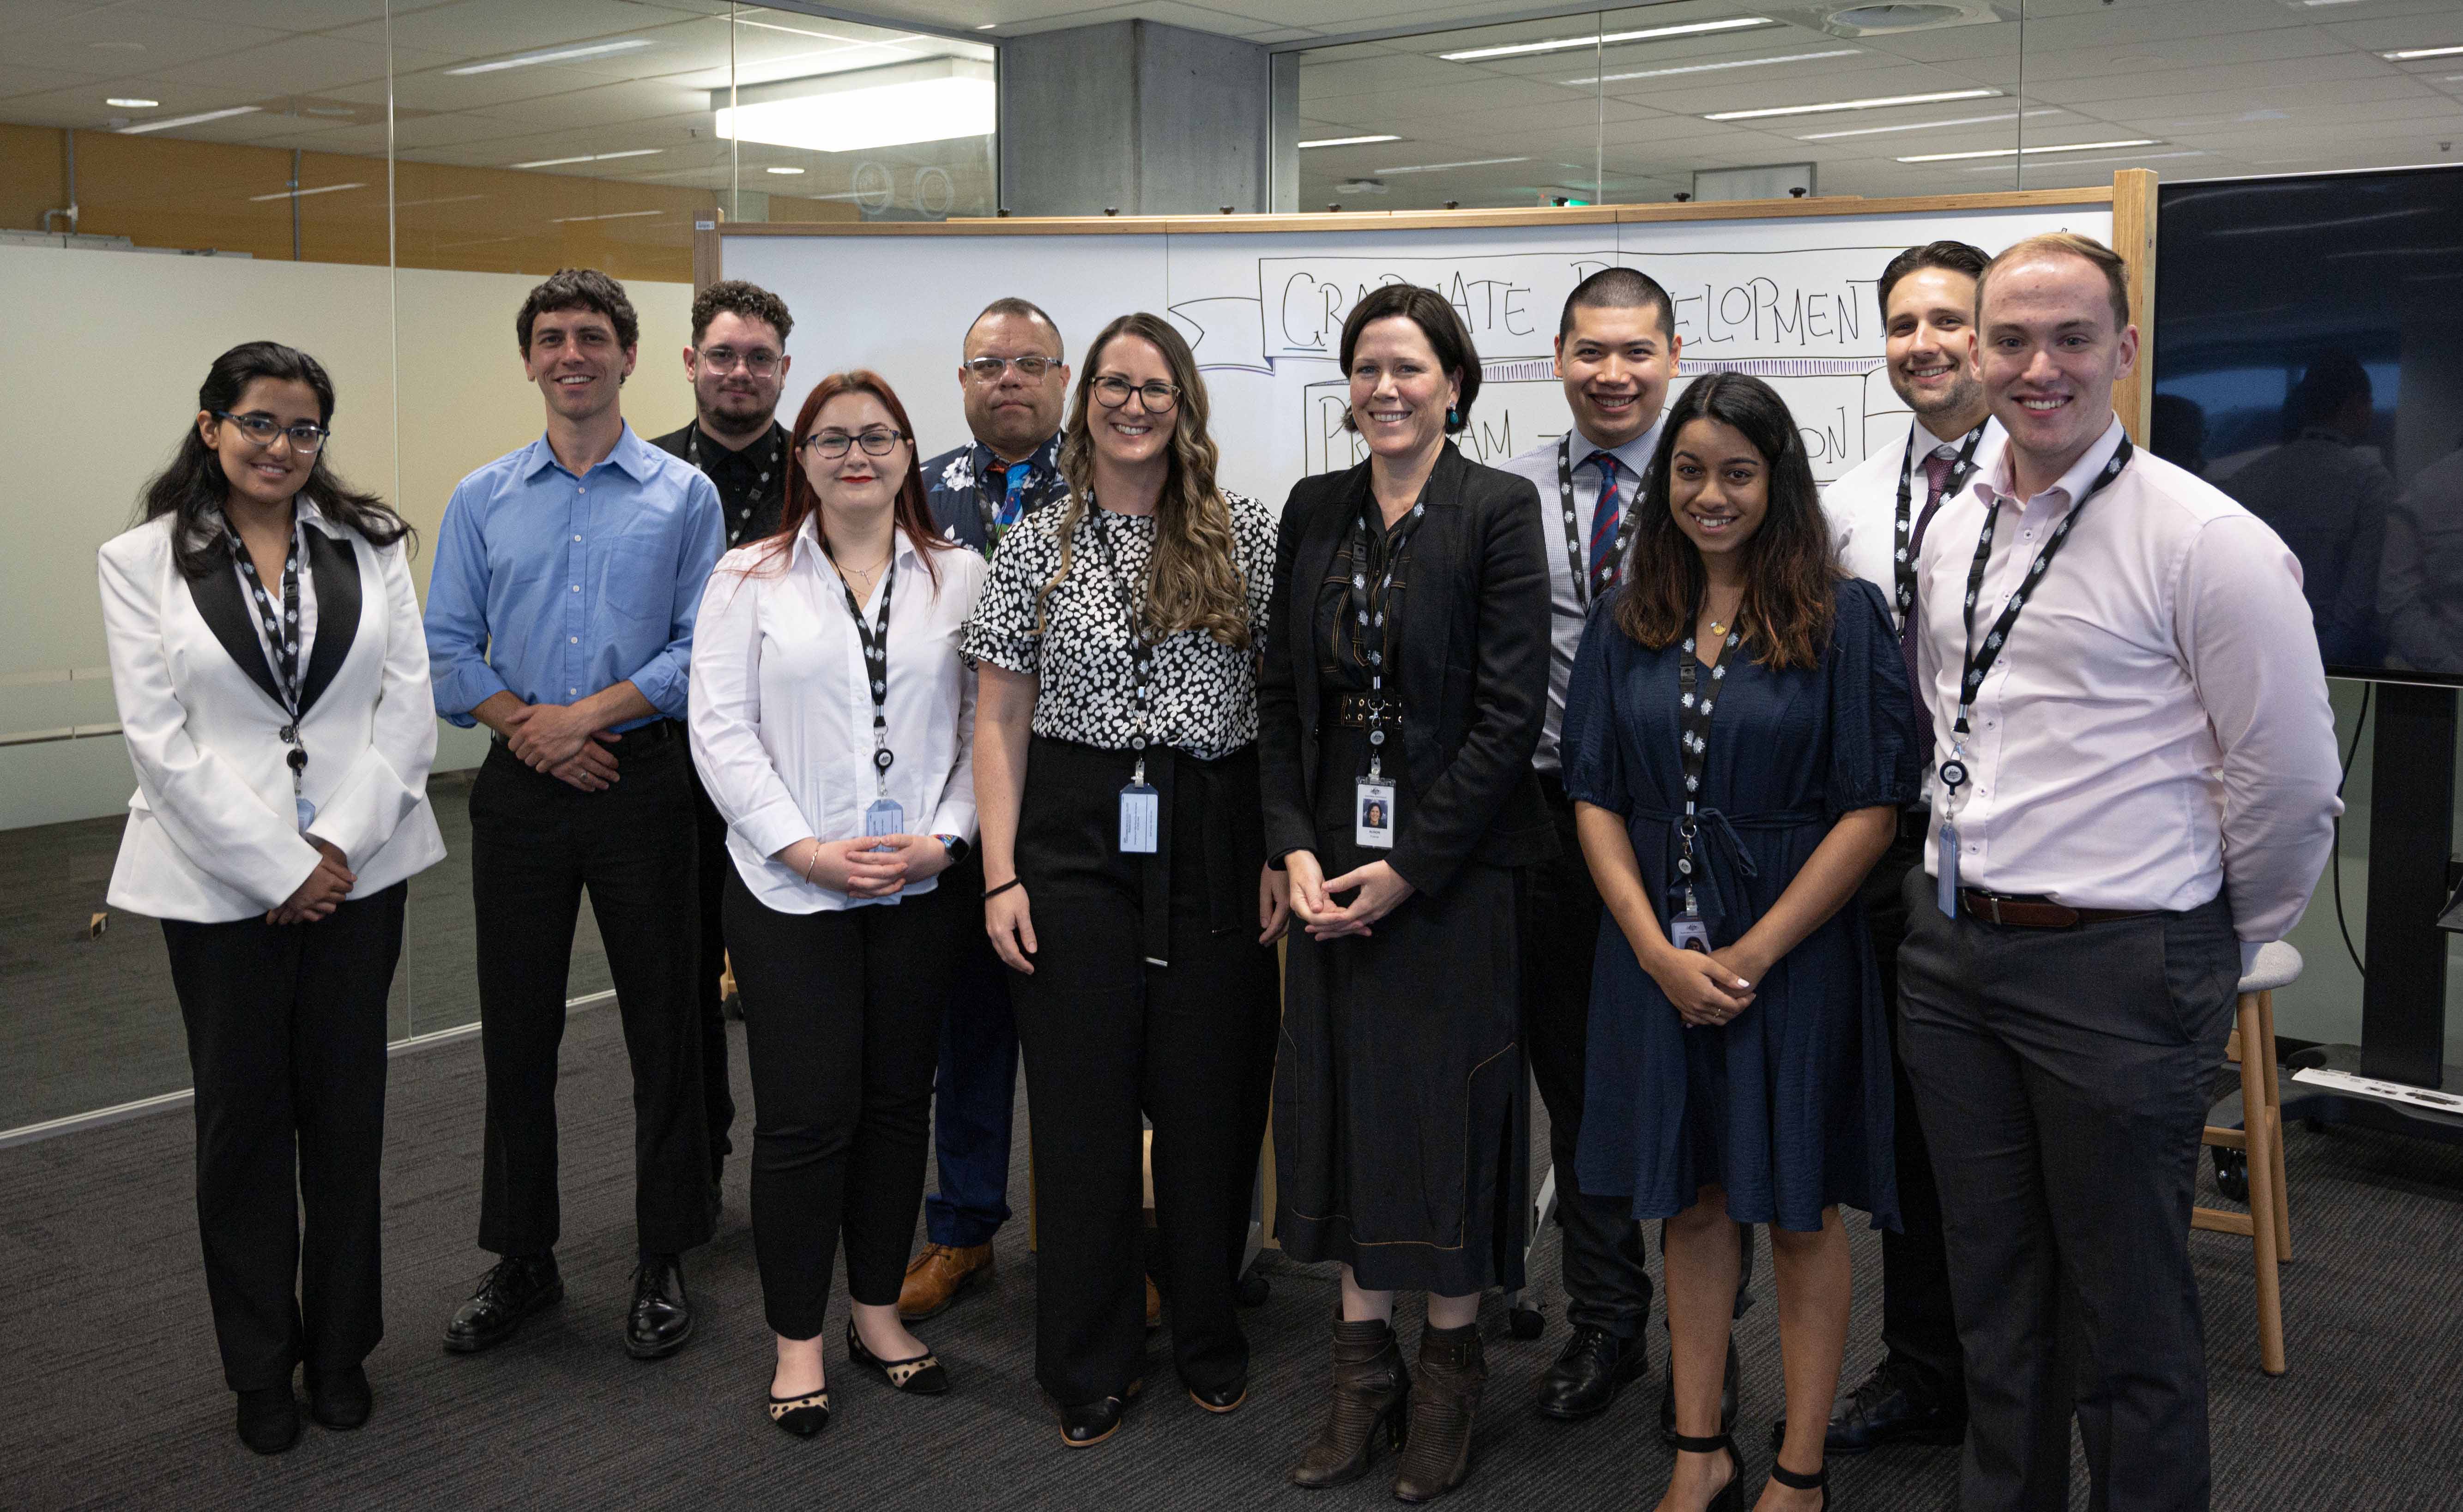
(1194, 580)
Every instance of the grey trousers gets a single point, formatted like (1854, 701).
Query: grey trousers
(2062, 1077)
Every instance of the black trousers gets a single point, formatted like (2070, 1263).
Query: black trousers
(1599, 1244)
(1151, 994)
(287, 1045)
(1919, 1325)
(842, 1031)
(2062, 1077)
(712, 868)
(535, 844)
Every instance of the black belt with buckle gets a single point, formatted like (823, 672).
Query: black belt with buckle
(2036, 913)
(1358, 710)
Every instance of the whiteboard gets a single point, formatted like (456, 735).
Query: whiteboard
(1788, 299)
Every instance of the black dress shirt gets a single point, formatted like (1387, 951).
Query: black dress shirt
(751, 483)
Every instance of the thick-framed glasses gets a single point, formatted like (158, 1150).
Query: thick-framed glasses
(1114, 392)
(834, 444)
(261, 429)
(760, 361)
(989, 369)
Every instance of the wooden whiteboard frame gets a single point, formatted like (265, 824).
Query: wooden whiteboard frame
(2131, 196)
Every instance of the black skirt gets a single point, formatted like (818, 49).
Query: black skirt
(1400, 1112)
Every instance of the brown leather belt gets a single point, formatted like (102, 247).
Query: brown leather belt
(1355, 710)
(2036, 913)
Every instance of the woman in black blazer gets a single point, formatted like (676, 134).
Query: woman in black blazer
(272, 677)
(1409, 689)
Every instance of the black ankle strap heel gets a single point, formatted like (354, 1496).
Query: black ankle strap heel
(1731, 1496)
(1819, 1480)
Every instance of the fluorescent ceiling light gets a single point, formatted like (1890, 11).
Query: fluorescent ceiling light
(931, 99)
(132, 105)
(2029, 152)
(784, 170)
(1347, 142)
(612, 215)
(588, 156)
(987, 25)
(2411, 52)
(1566, 44)
(1877, 102)
(1470, 162)
(563, 54)
(1712, 68)
(1925, 125)
(296, 194)
(2127, 157)
(143, 128)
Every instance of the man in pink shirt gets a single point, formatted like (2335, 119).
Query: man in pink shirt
(2133, 789)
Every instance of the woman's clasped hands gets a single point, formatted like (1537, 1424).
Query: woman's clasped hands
(868, 867)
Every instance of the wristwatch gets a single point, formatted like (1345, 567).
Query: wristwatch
(956, 845)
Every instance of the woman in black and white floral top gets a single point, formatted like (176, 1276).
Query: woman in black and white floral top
(1116, 778)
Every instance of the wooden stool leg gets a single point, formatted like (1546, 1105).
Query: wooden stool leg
(2274, 1120)
(2264, 1185)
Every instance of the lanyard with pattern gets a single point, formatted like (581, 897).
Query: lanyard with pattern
(282, 640)
(876, 667)
(1585, 588)
(1367, 603)
(1905, 545)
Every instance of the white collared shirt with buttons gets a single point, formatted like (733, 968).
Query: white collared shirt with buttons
(781, 707)
(2156, 727)
(1569, 601)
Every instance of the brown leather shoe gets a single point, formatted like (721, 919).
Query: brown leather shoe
(1154, 1305)
(1446, 1387)
(936, 1276)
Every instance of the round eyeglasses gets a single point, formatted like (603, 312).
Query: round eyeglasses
(1158, 396)
(306, 438)
(834, 444)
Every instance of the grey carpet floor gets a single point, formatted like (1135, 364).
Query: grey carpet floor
(113, 1396)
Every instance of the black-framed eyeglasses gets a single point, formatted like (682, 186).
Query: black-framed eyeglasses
(1158, 396)
(306, 437)
(880, 441)
(989, 369)
(760, 361)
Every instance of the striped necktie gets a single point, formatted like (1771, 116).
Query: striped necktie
(1605, 516)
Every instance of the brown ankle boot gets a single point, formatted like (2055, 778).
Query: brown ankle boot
(1445, 1398)
(1371, 1392)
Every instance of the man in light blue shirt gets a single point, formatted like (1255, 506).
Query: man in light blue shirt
(560, 614)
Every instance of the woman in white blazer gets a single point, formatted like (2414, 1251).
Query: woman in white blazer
(833, 725)
(271, 675)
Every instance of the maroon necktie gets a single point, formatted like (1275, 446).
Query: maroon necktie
(1937, 474)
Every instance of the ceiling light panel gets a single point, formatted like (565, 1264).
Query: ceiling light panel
(1925, 125)
(935, 99)
(561, 55)
(1712, 68)
(131, 103)
(588, 156)
(1566, 44)
(1347, 142)
(2411, 52)
(1877, 102)
(2029, 152)
(202, 117)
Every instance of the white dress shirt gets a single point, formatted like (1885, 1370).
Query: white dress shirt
(1569, 598)
(1863, 505)
(781, 707)
(2156, 727)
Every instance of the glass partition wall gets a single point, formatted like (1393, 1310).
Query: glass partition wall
(377, 184)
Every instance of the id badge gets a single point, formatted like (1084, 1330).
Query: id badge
(1140, 819)
(1372, 815)
(1687, 932)
(307, 812)
(885, 818)
(1946, 862)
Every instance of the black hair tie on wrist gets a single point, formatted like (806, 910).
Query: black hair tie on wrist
(992, 893)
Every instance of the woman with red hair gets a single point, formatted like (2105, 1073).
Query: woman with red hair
(833, 725)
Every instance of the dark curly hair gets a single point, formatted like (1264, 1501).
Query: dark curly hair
(734, 296)
(581, 289)
(193, 486)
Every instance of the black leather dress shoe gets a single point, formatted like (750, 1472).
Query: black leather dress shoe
(1084, 1426)
(1726, 1398)
(1894, 1405)
(1588, 1373)
(519, 1285)
(339, 1399)
(1222, 1398)
(661, 1318)
(268, 1418)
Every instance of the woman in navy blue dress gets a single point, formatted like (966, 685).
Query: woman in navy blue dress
(1738, 740)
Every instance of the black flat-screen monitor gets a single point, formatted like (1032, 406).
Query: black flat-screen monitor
(2308, 360)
